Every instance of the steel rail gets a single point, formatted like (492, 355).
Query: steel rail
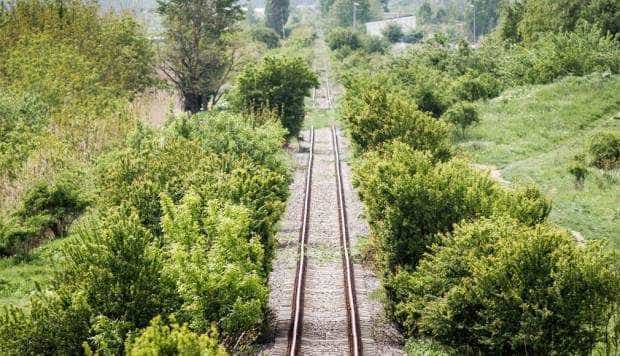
(355, 340)
(294, 336)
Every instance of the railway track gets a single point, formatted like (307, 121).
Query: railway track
(297, 332)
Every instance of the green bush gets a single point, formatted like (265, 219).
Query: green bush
(497, 286)
(375, 44)
(393, 32)
(554, 55)
(217, 264)
(578, 169)
(161, 339)
(399, 180)
(525, 204)
(376, 115)
(55, 205)
(55, 324)
(265, 35)
(471, 87)
(604, 147)
(46, 49)
(462, 115)
(413, 36)
(222, 155)
(45, 211)
(279, 84)
(15, 235)
(116, 264)
(340, 37)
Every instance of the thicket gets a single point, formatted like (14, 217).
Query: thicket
(182, 230)
(68, 71)
(604, 148)
(400, 179)
(277, 84)
(265, 35)
(393, 32)
(498, 286)
(376, 114)
(469, 264)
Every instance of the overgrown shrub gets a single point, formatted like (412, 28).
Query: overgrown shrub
(412, 36)
(116, 264)
(578, 169)
(55, 206)
(217, 264)
(376, 114)
(471, 87)
(524, 203)
(266, 35)
(55, 324)
(554, 55)
(604, 147)
(399, 180)
(462, 115)
(393, 32)
(279, 84)
(46, 211)
(340, 37)
(497, 286)
(161, 339)
(375, 44)
(223, 155)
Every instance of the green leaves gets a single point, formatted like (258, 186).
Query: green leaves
(278, 84)
(500, 286)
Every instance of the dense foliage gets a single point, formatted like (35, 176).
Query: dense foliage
(604, 147)
(497, 286)
(277, 84)
(528, 20)
(276, 15)
(183, 229)
(393, 32)
(199, 51)
(161, 339)
(399, 180)
(68, 71)
(375, 115)
(468, 265)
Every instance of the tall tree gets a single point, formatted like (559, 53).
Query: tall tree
(486, 15)
(199, 55)
(276, 14)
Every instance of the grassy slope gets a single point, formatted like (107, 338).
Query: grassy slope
(20, 275)
(531, 133)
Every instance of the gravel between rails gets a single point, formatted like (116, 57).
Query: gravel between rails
(325, 318)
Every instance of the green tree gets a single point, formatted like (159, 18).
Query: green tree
(393, 32)
(199, 54)
(501, 287)
(537, 17)
(341, 12)
(276, 15)
(486, 13)
(425, 12)
(277, 83)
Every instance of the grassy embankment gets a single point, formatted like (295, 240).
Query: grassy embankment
(531, 134)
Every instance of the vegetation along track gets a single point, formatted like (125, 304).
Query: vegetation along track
(298, 328)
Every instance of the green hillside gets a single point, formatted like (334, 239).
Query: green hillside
(532, 133)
